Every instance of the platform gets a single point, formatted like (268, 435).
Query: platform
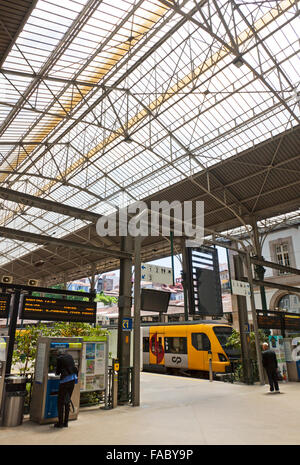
(179, 411)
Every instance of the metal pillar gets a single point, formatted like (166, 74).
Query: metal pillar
(184, 283)
(92, 279)
(255, 325)
(260, 271)
(137, 322)
(12, 331)
(243, 324)
(124, 312)
(172, 256)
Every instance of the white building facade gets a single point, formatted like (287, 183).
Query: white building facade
(282, 246)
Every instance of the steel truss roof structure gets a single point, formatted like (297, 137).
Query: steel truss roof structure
(104, 103)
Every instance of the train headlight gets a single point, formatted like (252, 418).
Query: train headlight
(222, 358)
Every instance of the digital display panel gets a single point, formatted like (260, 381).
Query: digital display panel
(49, 309)
(279, 322)
(153, 300)
(269, 322)
(4, 305)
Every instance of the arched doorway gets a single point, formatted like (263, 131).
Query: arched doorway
(282, 300)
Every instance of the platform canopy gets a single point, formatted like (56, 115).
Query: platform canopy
(104, 103)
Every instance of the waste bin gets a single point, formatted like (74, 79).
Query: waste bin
(14, 398)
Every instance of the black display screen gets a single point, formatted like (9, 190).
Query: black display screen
(4, 305)
(49, 309)
(153, 300)
(209, 292)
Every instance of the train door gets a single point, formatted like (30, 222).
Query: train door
(157, 352)
(201, 343)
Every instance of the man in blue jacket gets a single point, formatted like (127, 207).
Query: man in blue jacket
(68, 372)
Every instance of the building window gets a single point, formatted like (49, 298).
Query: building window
(282, 252)
(290, 303)
(282, 256)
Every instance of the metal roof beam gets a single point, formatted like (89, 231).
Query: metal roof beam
(49, 205)
(40, 239)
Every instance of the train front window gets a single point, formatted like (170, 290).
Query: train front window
(222, 333)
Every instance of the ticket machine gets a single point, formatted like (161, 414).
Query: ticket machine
(43, 408)
(3, 356)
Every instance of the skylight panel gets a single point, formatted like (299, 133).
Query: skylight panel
(197, 98)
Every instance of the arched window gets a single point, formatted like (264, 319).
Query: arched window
(290, 303)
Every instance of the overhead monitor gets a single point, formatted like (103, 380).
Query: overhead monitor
(49, 309)
(4, 305)
(153, 300)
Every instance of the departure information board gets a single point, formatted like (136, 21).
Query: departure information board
(49, 309)
(4, 305)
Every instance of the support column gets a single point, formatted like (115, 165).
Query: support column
(12, 331)
(255, 325)
(137, 322)
(260, 271)
(124, 312)
(92, 280)
(243, 324)
(184, 283)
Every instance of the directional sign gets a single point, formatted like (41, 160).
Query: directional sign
(156, 274)
(127, 324)
(240, 287)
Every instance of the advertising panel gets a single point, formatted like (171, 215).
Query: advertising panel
(94, 365)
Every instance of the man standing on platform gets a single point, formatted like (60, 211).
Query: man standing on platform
(270, 364)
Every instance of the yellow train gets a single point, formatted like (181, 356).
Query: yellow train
(186, 347)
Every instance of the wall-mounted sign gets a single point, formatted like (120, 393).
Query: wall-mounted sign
(4, 305)
(240, 287)
(156, 274)
(127, 324)
(48, 309)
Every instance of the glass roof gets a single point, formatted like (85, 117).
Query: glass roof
(104, 101)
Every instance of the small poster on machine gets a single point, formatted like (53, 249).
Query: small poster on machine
(93, 368)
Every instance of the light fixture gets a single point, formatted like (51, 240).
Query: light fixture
(238, 61)
(7, 279)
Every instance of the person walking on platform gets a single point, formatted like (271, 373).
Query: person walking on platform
(270, 364)
(68, 372)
